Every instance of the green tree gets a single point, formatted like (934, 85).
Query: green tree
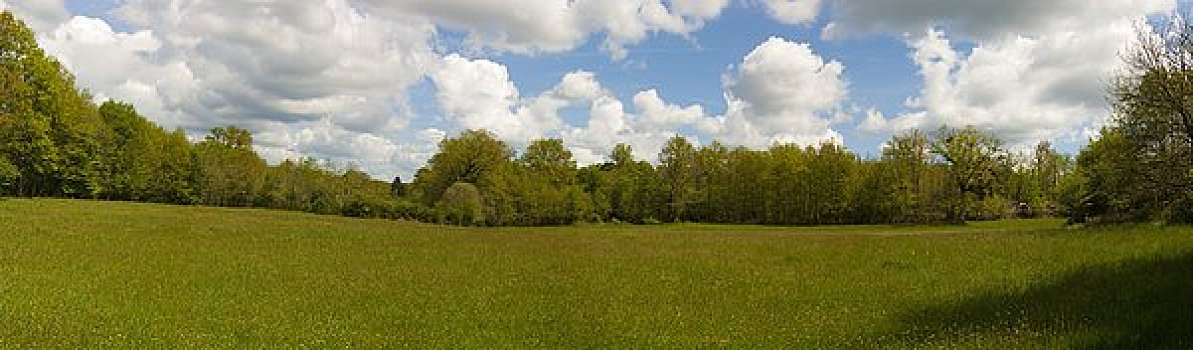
(132, 162)
(1115, 184)
(791, 190)
(549, 158)
(175, 173)
(229, 172)
(547, 193)
(974, 161)
(712, 177)
(9, 175)
(461, 204)
(1153, 114)
(831, 169)
(906, 158)
(634, 189)
(471, 157)
(622, 155)
(51, 130)
(677, 167)
(750, 187)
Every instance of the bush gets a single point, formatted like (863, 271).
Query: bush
(9, 175)
(993, 208)
(362, 209)
(406, 210)
(1181, 211)
(460, 205)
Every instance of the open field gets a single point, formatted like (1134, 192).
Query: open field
(100, 274)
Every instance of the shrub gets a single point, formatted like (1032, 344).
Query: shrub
(9, 174)
(460, 205)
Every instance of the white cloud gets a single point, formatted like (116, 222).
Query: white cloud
(291, 61)
(529, 26)
(121, 66)
(379, 155)
(40, 15)
(781, 92)
(1023, 89)
(1036, 70)
(656, 115)
(478, 94)
(793, 11)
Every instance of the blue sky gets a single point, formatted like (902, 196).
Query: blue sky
(375, 84)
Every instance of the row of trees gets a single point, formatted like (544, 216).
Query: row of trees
(951, 175)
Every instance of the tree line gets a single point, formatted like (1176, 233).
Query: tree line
(55, 142)
(950, 175)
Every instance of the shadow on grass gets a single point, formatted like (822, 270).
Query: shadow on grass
(1138, 304)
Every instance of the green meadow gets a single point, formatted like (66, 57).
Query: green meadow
(105, 274)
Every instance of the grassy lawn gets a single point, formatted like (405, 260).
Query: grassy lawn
(98, 274)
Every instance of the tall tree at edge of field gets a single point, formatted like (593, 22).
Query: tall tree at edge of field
(677, 166)
(51, 132)
(973, 159)
(1152, 103)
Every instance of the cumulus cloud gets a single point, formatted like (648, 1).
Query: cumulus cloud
(653, 121)
(380, 155)
(529, 26)
(781, 92)
(656, 115)
(42, 16)
(121, 66)
(478, 94)
(1024, 89)
(793, 11)
(290, 61)
(1036, 70)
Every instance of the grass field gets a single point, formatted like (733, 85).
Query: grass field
(98, 274)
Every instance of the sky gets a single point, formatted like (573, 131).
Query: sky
(376, 84)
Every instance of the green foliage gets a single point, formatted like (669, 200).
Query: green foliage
(9, 175)
(1141, 167)
(51, 132)
(142, 161)
(975, 162)
(677, 167)
(228, 171)
(471, 158)
(461, 204)
(551, 160)
(906, 175)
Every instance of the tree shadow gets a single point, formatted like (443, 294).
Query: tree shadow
(1145, 303)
